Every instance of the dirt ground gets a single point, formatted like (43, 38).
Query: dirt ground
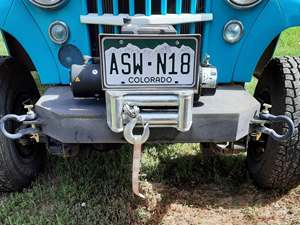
(212, 205)
(180, 189)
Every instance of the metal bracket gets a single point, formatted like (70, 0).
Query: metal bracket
(266, 117)
(30, 116)
(272, 133)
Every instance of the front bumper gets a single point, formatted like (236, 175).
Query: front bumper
(220, 118)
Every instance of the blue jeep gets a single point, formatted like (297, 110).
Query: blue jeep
(157, 71)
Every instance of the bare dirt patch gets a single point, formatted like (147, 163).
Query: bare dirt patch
(214, 204)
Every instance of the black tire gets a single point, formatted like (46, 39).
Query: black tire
(19, 163)
(271, 164)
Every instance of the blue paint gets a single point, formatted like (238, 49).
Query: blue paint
(37, 21)
(116, 12)
(224, 55)
(5, 6)
(193, 10)
(178, 11)
(100, 12)
(206, 26)
(148, 5)
(235, 63)
(164, 7)
(131, 7)
(266, 28)
(42, 56)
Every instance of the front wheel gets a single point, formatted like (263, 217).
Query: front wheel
(272, 164)
(19, 162)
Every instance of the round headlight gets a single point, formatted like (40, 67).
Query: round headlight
(233, 31)
(48, 3)
(243, 3)
(59, 32)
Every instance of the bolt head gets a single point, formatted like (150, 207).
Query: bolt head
(28, 106)
(95, 72)
(267, 106)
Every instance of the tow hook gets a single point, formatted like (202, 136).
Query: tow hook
(27, 119)
(132, 113)
(266, 118)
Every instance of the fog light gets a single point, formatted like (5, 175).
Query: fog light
(233, 31)
(59, 32)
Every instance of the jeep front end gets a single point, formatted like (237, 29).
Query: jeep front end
(175, 70)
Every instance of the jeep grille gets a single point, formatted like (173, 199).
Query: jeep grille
(146, 7)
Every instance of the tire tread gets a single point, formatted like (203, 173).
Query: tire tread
(286, 169)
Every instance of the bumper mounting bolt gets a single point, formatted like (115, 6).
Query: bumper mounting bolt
(267, 108)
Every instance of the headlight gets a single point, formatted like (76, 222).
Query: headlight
(243, 3)
(48, 3)
(59, 32)
(233, 31)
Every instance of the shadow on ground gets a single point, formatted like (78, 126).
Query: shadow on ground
(95, 188)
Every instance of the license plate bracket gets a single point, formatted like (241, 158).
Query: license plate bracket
(149, 61)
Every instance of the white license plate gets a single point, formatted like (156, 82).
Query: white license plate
(149, 61)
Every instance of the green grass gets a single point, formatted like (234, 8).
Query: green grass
(95, 188)
(3, 50)
(289, 44)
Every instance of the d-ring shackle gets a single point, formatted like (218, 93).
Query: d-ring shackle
(22, 132)
(272, 133)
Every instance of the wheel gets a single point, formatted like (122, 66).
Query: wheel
(20, 161)
(272, 164)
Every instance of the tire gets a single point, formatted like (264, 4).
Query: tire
(19, 163)
(271, 164)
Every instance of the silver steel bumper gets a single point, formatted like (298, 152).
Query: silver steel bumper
(224, 117)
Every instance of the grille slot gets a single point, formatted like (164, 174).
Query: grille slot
(140, 7)
(146, 7)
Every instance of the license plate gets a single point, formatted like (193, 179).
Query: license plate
(149, 61)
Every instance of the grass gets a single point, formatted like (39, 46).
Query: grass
(3, 50)
(181, 186)
(289, 44)
(95, 187)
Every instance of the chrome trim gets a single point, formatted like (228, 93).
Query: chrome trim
(140, 19)
(169, 108)
(152, 100)
(52, 6)
(63, 24)
(225, 27)
(241, 6)
(157, 119)
(209, 77)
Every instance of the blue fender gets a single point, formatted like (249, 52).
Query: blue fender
(277, 16)
(29, 25)
(20, 24)
(224, 55)
(5, 6)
